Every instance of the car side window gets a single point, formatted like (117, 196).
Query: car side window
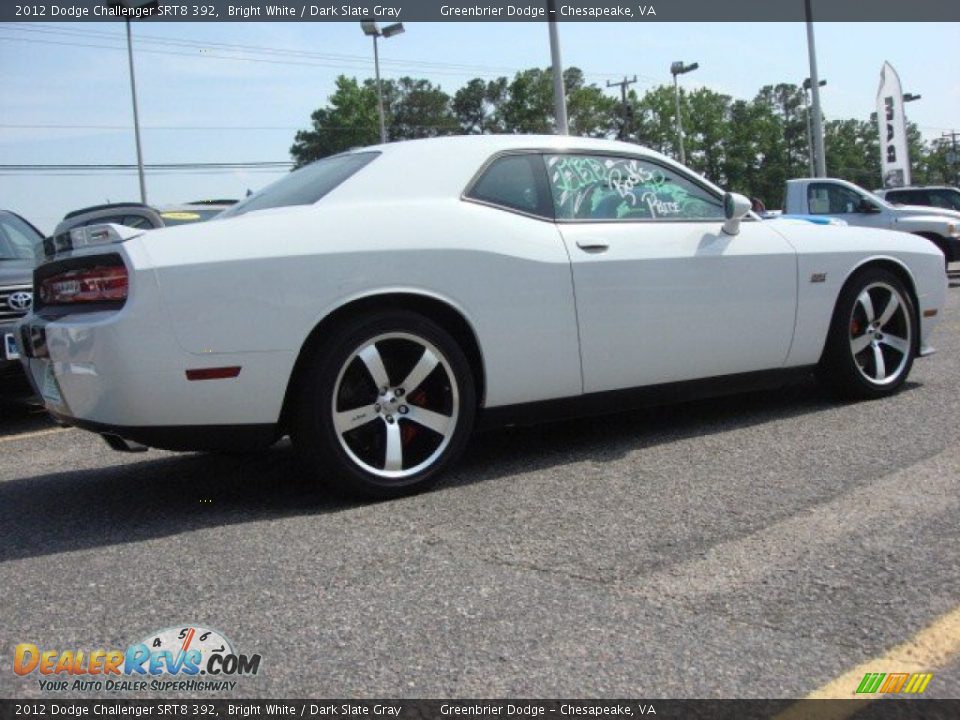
(945, 199)
(17, 240)
(602, 187)
(830, 199)
(511, 181)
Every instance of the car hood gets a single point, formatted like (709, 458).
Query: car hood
(16, 272)
(925, 211)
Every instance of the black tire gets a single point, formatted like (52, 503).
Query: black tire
(861, 374)
(337, 385)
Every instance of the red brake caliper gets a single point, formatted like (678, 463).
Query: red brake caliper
(410, 430)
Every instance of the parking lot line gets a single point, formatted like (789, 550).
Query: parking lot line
(926, 651)
(37, 433)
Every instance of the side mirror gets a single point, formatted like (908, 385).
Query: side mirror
(866, 206)
(735, 208)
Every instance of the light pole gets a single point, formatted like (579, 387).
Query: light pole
(559, 93)
(819, 153)
(678, 68)
(372, 29)
(124, 8)
(806, 108)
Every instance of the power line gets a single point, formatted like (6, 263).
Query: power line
(94, 168)
(259, 49)
(60, 126)
(353, 62)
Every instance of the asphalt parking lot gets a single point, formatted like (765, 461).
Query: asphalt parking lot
(757, 546)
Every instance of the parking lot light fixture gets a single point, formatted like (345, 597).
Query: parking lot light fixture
(679, 68)
(372, 29)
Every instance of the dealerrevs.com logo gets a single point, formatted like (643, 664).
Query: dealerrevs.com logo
(188, 658)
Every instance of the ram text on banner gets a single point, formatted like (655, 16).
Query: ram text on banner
(892, 126)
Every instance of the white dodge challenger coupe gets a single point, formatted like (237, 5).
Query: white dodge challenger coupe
(378, 304)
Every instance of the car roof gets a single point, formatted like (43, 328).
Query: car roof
(496, 143)
(918, 187)
(445, 165)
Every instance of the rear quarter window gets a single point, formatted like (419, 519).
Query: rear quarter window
(514, 182)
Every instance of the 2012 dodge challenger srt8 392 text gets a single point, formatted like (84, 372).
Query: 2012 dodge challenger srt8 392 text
(376, 305)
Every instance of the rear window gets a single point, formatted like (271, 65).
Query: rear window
(304, 186)
(905, 197)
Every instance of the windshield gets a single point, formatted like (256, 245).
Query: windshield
(18, 239)
(304, 186)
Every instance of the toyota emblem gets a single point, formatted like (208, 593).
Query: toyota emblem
(20, 301)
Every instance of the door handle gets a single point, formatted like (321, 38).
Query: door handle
(593, 245)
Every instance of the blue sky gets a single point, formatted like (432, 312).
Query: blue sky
(201, 101)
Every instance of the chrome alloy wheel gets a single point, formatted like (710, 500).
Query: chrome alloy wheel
(881, 333)
(395, 405)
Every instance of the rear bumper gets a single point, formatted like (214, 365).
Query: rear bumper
(185, 438)
(122, 371)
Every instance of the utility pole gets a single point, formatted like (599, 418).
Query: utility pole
(820, 158)
(806, 109)
(680, 68)
(136, 117)
(123, 6)
(559, 93)
(623, 99)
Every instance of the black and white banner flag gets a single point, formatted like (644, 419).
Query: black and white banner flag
(894, 154)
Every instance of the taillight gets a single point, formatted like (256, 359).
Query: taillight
(88, 285)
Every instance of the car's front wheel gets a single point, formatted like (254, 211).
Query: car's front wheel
(385, 404)
(871, 345)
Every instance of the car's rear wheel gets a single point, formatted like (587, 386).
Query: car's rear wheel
(385, 404)
(871, 345)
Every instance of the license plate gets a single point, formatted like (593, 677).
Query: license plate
(50, 390)
(10, 346)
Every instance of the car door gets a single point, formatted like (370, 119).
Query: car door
(828, 198)
(662, 295)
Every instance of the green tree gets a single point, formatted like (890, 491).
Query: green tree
(350, 120)
(707, 128)
(654, 117)
(852, 151)
(478, 106)
(416, 109)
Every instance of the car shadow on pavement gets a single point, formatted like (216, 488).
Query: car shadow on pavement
(141, 499)
(20, 413)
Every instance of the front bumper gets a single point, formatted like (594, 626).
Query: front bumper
(9, 367)
(953, 249)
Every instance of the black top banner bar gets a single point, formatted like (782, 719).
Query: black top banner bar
(179, 709)
(639, 11)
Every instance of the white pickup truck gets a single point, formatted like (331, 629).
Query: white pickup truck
(839, 198)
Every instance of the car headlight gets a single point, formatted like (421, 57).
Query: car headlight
(953, 230)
